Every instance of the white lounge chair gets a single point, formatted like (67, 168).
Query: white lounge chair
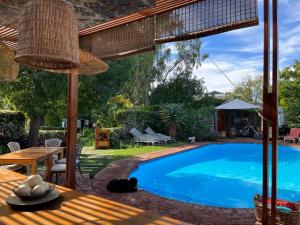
(160, 136)
(143, 138)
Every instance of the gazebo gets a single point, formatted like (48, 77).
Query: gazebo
(234, 113)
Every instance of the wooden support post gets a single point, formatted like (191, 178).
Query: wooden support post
(266, 112)
(72, 129)
(274, 110)
(270, 110)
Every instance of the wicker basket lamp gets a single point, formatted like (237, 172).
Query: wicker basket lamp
(89, 65)
(48, 35)
(8, 67)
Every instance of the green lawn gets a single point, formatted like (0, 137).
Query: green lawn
(93, 160)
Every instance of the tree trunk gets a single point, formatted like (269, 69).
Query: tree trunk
(35, 124)
(173, 132)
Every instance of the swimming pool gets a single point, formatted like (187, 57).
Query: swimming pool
(222, 175)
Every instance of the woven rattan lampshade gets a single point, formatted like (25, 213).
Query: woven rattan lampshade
(8, 67)
(89, 65)
(48, 35)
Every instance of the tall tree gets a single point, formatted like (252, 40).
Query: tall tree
(168, 62)
(37, 94)
(139, 87)
(289, 93)
(181, 89)
(249, 89)
(178, 59)
(95, 91)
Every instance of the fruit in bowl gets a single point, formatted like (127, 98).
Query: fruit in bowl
(33, 188)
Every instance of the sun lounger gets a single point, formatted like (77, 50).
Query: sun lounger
(160, 136)
(293, 135)
(143, 138)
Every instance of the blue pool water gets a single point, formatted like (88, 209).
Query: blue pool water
(224, 175)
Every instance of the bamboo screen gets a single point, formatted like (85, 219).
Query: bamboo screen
(121, 41)
(205, 18)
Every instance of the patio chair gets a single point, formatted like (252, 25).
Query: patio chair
(293, 135)
(143, 138)
(54, 142)
(58, 169)
(78, 152)
(60, 166)
(160, 136)
(14, 146)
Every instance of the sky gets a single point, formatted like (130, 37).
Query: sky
(240, 53)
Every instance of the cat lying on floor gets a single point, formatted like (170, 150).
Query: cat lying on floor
(122, 185)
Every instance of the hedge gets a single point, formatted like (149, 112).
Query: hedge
(51, 128)
(12, 126)
(49, 134)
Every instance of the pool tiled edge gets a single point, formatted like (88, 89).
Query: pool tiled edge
(191, 213)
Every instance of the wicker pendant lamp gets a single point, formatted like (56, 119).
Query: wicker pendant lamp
(8, 67)
(89, 65)
(48, 35)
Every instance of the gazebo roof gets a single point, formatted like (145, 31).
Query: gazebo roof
(236, 104)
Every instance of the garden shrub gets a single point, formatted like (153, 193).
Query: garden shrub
(87, 137)
(198, 125)
(284, 130)
(51, 128)
(12, 126)
(140, 119)
(120, 137)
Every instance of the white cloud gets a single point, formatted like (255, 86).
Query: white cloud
(291, 11)
(240, 52)
(235, 68)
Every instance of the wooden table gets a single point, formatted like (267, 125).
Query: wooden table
(74, 208)
(31, 156)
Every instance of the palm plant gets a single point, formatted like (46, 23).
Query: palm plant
(174, 116)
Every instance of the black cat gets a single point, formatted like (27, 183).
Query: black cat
(122, 185)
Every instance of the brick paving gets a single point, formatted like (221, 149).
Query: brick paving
(191, 213)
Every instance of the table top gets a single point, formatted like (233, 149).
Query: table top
(8, 175)
(75, 208)
(33, 153)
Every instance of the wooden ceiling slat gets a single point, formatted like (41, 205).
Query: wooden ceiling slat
(8, 34)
